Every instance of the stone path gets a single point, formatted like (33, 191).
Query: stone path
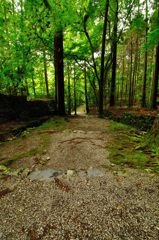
(75, 193)
(78, 150)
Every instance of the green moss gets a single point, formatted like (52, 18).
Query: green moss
(3, 168)
(129, 148)
(118, 126)
(142, 122)
(55, 123)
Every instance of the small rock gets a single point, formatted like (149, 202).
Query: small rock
(80, 131)
(45, 175)
(82, 173)
(115, 172)
(96, 172)
(70, 173)
(25, 172)
(43, 160)
(36, 159)
(148, 170)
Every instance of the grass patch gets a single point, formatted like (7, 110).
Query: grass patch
(54, 123)
(132, 159)
(118, 126)
(131, 148)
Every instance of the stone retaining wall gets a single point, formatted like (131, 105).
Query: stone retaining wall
(18, 108)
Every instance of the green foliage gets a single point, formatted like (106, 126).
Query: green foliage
(27, 29)
(153, 38)
(138, 24)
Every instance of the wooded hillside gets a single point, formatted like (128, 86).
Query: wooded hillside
(101, 53)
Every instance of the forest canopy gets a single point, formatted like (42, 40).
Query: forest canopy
(101, 53)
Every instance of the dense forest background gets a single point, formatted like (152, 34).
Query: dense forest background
(101, 53)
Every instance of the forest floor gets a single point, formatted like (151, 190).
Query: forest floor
(79, 178)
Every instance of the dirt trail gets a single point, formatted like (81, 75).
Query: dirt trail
(80, 146)
(86, 205)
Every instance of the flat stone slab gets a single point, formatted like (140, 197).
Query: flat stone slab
(45, 175)
(49, 174)
(96, 172)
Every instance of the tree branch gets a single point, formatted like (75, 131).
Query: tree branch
(91, 46)
(47, 4)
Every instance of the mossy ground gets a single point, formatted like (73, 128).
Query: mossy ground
(32, 142)
(132, 148)
(56, 123)
(128, 148)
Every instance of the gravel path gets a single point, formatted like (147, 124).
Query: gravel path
(115, 206)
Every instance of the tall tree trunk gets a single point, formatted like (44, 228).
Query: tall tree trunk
(101, 81)
(59, 70)
(33, 83)
(85, 84)
(137, 73)
(56, 100)
(86, 17)
(59, 66)
(156, 73)
(69, 90)
(143, 102)
(45, 73)
(26, 86)
(74, 83)
(114, 58)
(135, 68)
(126, 98)
(93, 85)
(122, 83)
(130, 79)
(117, 92)
(155, 81)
